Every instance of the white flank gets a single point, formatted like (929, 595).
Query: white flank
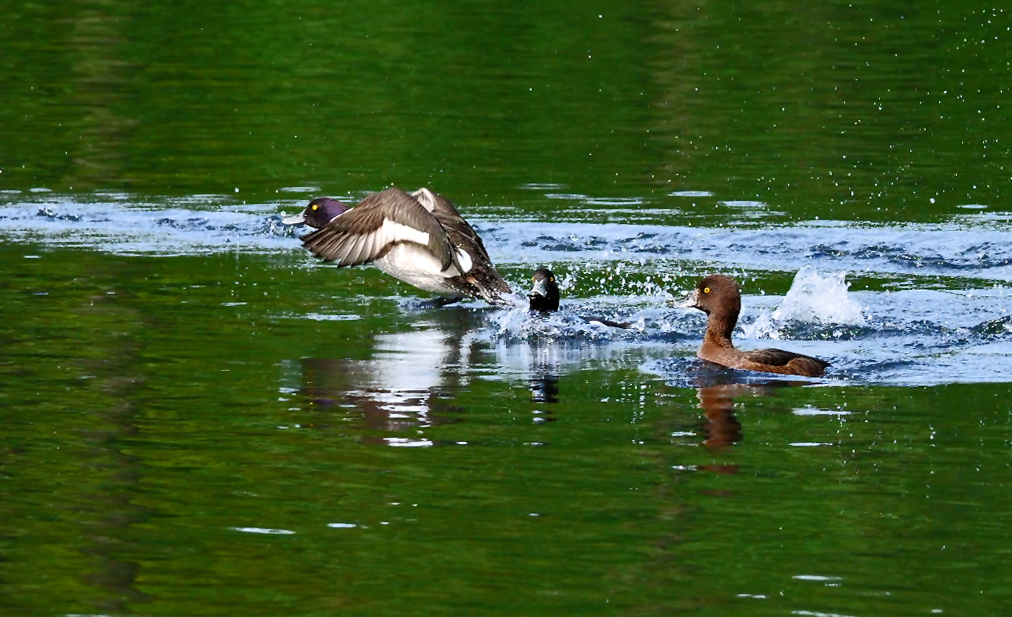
(416, 266)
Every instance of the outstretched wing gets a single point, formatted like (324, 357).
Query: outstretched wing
(381, 220)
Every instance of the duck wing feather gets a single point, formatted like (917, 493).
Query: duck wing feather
(482, 274)
(779, 357)
(796, 363)
(367, 231)
(460, 231)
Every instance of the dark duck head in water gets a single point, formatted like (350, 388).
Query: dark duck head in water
(544, 298)
(419, 238)
(718, 296)
(544, 295)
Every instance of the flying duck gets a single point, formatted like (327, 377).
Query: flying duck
(718, 296)
(418, 237)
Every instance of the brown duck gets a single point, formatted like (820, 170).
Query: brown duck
(718, 296)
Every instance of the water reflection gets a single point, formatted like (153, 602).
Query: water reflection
(544, 369)
(106, 523)
(99, 74)
(545, 388)
(541, 362)
(721, 428)
(407, 384)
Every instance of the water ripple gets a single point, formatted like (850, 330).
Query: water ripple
(932, 304)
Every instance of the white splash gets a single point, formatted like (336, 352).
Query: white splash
(824, 299)
(811, 298)
(520, 324)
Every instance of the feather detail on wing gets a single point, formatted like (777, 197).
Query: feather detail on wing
(379, 221)
(480, 274)
(460, 232)
(779, 357)
(792, 362)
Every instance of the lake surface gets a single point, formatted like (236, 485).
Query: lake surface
(202, 419)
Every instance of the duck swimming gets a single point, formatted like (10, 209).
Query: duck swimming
(419, 238)
(544, 298)
(718, 296)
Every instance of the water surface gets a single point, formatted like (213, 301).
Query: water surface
(200, 418)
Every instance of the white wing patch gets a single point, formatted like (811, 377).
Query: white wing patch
(391, 232)
(353, 249)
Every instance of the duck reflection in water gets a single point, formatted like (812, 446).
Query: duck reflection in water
(404, 388)
(717, 397)
(545, 387)
(555, 341)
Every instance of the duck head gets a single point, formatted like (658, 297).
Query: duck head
(716, 294)
(544, 295)
(318, 213)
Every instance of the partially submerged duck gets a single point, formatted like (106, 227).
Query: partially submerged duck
(418, 237)
(544, 297)
(718, 296)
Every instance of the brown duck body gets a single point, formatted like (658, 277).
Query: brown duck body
(718, 296)
(419, 238)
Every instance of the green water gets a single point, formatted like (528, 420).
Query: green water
(214, 434)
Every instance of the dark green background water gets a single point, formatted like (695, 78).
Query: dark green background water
(209, 434)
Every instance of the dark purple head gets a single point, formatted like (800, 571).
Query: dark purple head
(318, 213)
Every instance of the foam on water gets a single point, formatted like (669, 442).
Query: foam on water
(813, 297)
(934, 309)
(521, 324)
(975, 246)
(163, 229)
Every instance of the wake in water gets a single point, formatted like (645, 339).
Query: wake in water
(933, 307)
(170, 228)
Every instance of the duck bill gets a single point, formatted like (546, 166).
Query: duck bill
(538, 291)
(297, 219)
(690, 300)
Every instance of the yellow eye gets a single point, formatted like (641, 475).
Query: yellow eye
(706, 290)
(316, 207)
(551, 279)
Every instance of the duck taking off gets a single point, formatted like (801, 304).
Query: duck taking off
(418, 237)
